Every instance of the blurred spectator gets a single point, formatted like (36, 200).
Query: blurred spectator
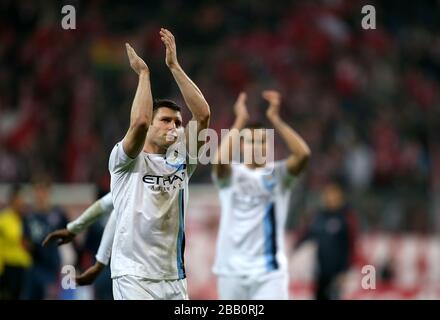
(334, 229)
(14, 258)
(42, 279)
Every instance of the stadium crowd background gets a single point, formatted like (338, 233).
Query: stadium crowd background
(366, 101)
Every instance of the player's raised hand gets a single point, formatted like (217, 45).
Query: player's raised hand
(136, 62)
(170, 44)
(89, 276)
(62, 236)
(274, 99)
(240, 108)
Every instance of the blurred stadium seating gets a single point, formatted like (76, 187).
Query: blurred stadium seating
(366, 101)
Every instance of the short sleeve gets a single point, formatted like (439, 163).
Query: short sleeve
(119, 160)
(106, 203)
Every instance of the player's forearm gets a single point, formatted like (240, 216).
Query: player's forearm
(229, 141)
(89, 216)
(293, 140)
(192, 95)
(142, 107)
(140, 117)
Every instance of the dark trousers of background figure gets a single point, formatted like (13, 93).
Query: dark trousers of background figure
(11, 282)
(326, 287)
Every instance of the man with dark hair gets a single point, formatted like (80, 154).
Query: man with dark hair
(250, 260)
(149, 186)
(14, 258)
(149, 191)
(334, 230)
(165, 103)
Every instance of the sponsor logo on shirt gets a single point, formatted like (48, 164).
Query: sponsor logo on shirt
(165, 183)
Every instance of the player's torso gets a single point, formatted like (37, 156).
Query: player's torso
(150, 202)
(151, 187)
(252, 191)
(250, 220)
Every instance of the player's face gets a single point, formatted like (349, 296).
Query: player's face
(165, 127)
(254, 143)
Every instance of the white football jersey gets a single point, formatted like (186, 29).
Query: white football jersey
(254, 205)
(150, 195)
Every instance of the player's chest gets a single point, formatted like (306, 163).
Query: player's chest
(162, 176)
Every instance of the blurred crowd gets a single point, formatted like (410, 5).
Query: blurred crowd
(366, 101)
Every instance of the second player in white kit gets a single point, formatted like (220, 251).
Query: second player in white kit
(250, 261)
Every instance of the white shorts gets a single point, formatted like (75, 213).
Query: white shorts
(137, 288)
(269, 286)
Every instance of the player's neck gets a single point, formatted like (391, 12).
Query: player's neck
(153, 148)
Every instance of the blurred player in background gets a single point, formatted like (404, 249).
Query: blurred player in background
(42, 278)
(150, 187)
(334, 230)
(250, 260)
(14, 257)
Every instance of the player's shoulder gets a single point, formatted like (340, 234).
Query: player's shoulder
(119, 161)
(175, 159)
